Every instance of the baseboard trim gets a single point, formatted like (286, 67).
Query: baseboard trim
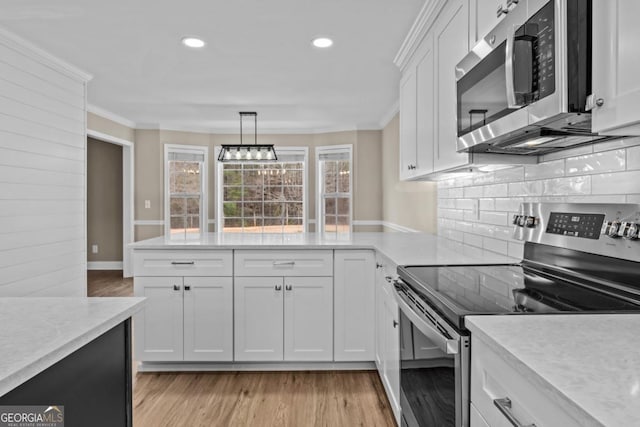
(249, 366)
(104, 265)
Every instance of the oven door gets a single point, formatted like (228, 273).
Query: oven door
(434, 367)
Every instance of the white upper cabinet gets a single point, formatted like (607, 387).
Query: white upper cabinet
(616, 66)
(408, 121)
(484, 17)
(451, 43)
(424, 108)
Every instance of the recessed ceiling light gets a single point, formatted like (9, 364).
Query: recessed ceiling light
(193, 42)
(322, 42)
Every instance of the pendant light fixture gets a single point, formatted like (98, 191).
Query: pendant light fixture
(250, 152)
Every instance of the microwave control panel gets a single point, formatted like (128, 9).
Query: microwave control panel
(537, 37)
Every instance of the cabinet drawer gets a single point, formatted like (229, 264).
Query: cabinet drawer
(283, 263)
(493, 378)
(182, 263)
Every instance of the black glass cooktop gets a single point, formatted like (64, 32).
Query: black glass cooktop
(458, 291)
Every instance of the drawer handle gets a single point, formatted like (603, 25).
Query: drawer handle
(283, 263)
(278, 287)
(187, 287)
(176, 287)
(288, 287)
(504, 406)
(183, 262)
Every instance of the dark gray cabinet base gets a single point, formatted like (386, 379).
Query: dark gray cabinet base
(93, 383)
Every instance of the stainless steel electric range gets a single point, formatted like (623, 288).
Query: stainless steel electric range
(578, 258)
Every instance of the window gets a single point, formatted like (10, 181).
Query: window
(334, 189)
(185, 189)
(267, 197)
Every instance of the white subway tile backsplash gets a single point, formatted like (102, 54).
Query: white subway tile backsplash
(617, 183)
(607, 161)
(495, 245)
(617, 143)
(473, 240)
(516, 250)
(496, 190)
(573, 152)
(633, 158)
(508, 204)
(528, 188)
(604, 173)
(509, 175)
(598, 198)
(566, 186)
(545, 170)
(487, 204)
(473, 191)
(496, 218)
(464, 204)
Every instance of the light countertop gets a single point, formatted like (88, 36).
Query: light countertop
(590, 363)
(35, 333)
(400, 248)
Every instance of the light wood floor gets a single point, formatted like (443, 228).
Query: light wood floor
(296, 399)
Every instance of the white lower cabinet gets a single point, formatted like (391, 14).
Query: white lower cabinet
(354, 303)
(184, 318)
(493, 380)
(283, 318)
(388, 334)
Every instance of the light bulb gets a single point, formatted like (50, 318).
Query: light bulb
(248, 154)
(238, 155)
(227, 154)
(259, 155)
(269, 155)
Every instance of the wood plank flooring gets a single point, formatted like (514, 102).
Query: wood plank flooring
(295, 399)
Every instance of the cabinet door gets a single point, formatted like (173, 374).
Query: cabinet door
(258, 315)
(354, 305)
(158, 326)
(392, 349)
(408, 122)
(308, 319)
(451, 45)
(424, 108)
(208, 318)
(484, 18)
(616, 65)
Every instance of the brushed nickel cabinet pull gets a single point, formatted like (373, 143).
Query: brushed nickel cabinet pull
(183, 262)
(504, 406)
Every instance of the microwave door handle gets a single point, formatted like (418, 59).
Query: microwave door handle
(509, 68)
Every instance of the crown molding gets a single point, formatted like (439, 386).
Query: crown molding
(389, 115)
(419, 29)
(106, 114)
(27, 48)
(261, 131)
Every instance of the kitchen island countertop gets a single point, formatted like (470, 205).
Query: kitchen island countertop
(589, 364)
(400, 248)
(35, 333)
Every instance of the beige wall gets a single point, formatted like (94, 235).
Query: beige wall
(149, 184)
(104, 200)
(409, 204)
(102, 125)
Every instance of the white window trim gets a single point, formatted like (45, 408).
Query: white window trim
(319, 179)
(179, 148)
(305, 193)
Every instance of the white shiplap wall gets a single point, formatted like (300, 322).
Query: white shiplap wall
(42, 173)
(608, 172)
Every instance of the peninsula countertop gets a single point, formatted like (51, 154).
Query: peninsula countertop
(35, 333)
(588, 363)
(400, 248)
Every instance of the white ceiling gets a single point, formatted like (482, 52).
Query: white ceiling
(258, 57)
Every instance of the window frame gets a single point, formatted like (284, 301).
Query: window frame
(328, 149)
(204, 202)
(218, 196)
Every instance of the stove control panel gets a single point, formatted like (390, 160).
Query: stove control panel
(583, 225)
(606, 229)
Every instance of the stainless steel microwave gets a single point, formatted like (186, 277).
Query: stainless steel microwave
(523, 89)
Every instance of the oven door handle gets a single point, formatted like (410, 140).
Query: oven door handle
(447, 345)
